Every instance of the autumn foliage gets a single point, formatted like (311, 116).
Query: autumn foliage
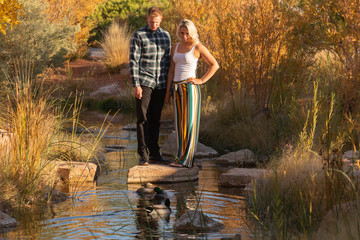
(9, 13)
(250, 39)
(76, 11)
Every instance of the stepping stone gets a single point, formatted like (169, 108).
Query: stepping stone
(241, 177)
(243, 157)
(76, 171)
(156, 173)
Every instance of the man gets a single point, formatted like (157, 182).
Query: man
(149, 66)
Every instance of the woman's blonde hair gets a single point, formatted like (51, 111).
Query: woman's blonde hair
(191, 28)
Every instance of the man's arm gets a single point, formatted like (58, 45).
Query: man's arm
(134, 58)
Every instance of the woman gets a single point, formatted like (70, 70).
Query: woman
(187, 96)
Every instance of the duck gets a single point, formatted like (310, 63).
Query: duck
(147, 190)
(162, 210)
(159, 195)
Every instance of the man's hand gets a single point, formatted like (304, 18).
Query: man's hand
(138, 92)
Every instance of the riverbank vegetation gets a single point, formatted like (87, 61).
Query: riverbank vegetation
(35, 138)
(288, 89)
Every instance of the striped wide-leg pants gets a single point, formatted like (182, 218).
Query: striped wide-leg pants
(187, 100)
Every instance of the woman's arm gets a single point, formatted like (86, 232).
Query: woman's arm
(202, 51)
(170, 77)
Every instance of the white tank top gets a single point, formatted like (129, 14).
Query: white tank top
(185, 64)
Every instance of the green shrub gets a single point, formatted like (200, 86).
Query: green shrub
(37, 38)
(132, 11)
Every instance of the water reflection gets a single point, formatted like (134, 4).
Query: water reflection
(111, 209)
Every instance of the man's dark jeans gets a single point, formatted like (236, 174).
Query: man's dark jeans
(148, 113)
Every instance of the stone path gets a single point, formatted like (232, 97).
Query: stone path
(156, 173)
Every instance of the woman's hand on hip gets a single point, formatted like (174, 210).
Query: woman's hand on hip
(195, 81)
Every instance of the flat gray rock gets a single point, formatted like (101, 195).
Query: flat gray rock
(240, 177)
(169, 148)
(243, 157)
(156, 173)
(6, 221)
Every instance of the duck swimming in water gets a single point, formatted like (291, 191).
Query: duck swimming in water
(159, 195)
(160, 210)
(147, 190)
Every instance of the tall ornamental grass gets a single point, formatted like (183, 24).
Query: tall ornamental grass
(35, 138)
(306, 181)
(116, 44)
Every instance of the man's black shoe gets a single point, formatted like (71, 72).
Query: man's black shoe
(159, 160)
(143, 161)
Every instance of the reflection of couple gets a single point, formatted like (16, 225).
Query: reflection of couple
(155, 71)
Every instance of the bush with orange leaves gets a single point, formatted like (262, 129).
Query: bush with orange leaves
(9, 13)
(336, 29)
(249, 38)
(76, 11)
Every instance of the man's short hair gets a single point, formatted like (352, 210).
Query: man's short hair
(154, 12)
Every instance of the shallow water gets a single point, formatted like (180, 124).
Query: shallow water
(112, 209)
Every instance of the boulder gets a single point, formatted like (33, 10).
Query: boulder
(76, 171)
(342, 222)
(6, 221)
(243, 157)
(240, 177)
(169, 148)
(156, 173)
(194, 220)
(350, 156)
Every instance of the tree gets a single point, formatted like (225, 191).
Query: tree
(9, 14)
(77, 13)
(249, 38)
(336, 29)
(36, 38)
(131, 11)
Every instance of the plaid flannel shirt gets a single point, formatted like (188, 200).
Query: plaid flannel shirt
(150, 57)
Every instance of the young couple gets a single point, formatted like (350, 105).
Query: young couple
(157, 69)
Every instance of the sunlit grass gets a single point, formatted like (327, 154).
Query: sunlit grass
(116, 44)
(36, 137)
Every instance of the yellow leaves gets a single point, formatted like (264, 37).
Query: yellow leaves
(245, 36)
(9, 13)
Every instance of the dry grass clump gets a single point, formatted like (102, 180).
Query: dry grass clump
(297, 194)
(34, 139)
(116, 44)
(234, 122)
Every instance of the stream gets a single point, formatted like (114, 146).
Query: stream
(110, 209)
